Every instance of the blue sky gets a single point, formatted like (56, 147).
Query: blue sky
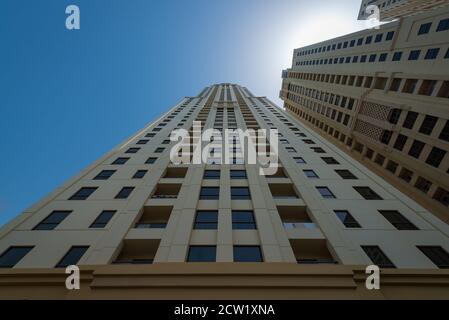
(64, 94)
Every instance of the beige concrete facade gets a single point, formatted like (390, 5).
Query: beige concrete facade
(297, 224)
(382, 96)
(393, 9)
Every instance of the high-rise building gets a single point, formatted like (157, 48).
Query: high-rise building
(382, 96)
(393, 9)
(139, 226)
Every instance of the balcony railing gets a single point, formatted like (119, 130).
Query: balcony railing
(300, 225)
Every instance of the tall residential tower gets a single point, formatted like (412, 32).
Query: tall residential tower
(382, 96)
(142, 227)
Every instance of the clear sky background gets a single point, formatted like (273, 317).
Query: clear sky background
(68, 97)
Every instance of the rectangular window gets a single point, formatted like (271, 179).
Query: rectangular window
(378, 257)
(140, 142)
(367, 193)
(416, 149)
(390, 36)
(325, 192)
(202, 254)
(347, 219)
(13, 255)
(83, 193)
(379, 37)
(300, 160)
(105, 175)
(211, 175)
(53, 220)
(397, 220)
(311, 174)
(330, 160)
(151, 161)
(428, 125)
(159, 150)
(425, 28)
(124, 193)
(435, 157)
(238, 174)
(318, 150)
(414, 55)
(72, 257)
(120, 161)
(210, 193)
(206, 220)
(102, 220)
(397, 56)
(437, 255)
(140, 174)
(443, 25)
(410, 120)
(240, 193)
(445, 133)
(247, 254)
(346, 174)
(383, 57)
(243, 220)
(432, 54)
(132, 150)
(400, 142)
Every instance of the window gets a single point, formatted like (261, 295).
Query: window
(166, 142)
(347, 219)
(103, 219)
(206, 220)
(346, 174)
(414, 55)
(379, 37)
(142, 142)
(425, 28)
(392, 166)
(383, 57)
(410, 120)
(300, 160)
(400, 142)
(445, 133)
(394, 116)
(53, 220)
(13, 255)
(124, 193)
(390, 36)
(432, 54)
(369, 39)
(209, 193)
(247, 254)
(72, 256)
(240, 193)
(159, 150)
(443, 25)
(291, 150)
(202, 254)
(428, 125)
(151, 161)
(437, 255)
(120, 161)
(378, 257)
(104, 175)
(397, 56)
(397, 220)
(435, 157)
(318, 150)
(243, 220)
(132, 150)
(330, 160)
(238, 174)
(416, 149)
(140, 174)
(326, 192)
(367, 193)
(211, 175)
(442, 196)
(83, 193)
(311, 174)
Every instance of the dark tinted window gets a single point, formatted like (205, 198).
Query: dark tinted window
(83, 193)
(72, 256)
(416, 149)
(346, 174)
(247, 254)
(428, 125)
(120, 161)
(210, 193)
(212, 174)
(240, 193)
(202, 254)
(367, 193)
(243, 220)
(151, 160)
(103, 219)
(206, 220)
(398, 220)
(124, 193)
(435, 157)
(140, 174)
(132, 150)
(53, 220)
(410, 120)
(104, 175)
(238, 174)
(378, 257)
(437, 255)
(325, 192)
(347, 219)
(330, 160)
(13, 255)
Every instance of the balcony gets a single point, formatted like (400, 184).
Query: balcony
(312, 251)
(166, 191)
(298, 224)
(154, 217)
(138, 252)
(175, 173)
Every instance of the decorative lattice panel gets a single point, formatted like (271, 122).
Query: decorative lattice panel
(369, 130)
(375, 110)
